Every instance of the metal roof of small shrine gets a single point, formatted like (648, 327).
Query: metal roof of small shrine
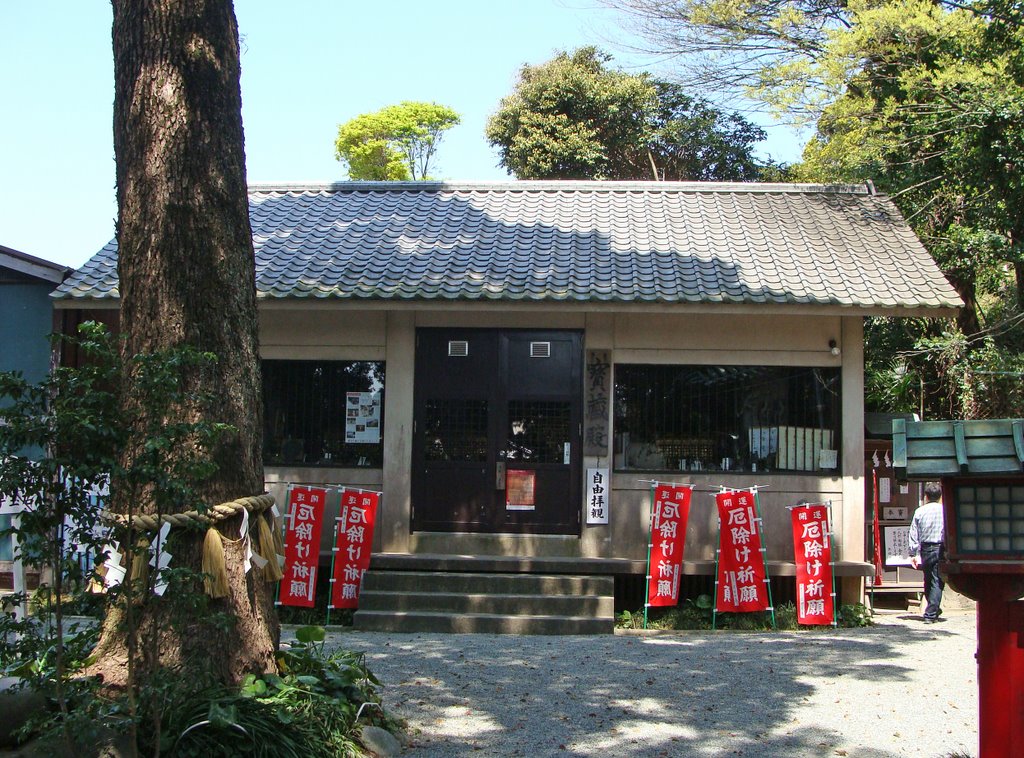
(585, 242)
(935, 449)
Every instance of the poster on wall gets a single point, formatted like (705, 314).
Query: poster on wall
(353, 541)
(742, 583)
(520, 490)
(597, 496)
(362, 417)
(812, 549)
(670, 512)
(897, 545)
(302, 546)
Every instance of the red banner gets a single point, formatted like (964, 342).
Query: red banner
(813, 551)
(302, 546)
(877, 552)
(668, 537)
(353, 541)
(741, 586)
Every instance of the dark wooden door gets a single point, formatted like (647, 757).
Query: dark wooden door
(497, 431)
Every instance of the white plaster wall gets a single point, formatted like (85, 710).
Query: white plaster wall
(322, 334)
(694, 338)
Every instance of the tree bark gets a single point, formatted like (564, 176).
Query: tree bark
(186, 273)
(967, 317)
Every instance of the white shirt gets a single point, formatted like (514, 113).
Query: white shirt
(927, 526)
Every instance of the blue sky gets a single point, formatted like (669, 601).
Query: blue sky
(307, 65)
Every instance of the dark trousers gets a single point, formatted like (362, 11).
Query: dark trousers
(931, 554)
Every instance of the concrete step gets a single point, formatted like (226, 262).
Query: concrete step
(485, 583)
(486, 603)
(480, 623)
(503, 604)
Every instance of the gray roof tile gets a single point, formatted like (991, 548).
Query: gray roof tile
(637, 242)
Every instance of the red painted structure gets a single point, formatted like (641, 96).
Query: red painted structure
(981, 467)
(1000, 653)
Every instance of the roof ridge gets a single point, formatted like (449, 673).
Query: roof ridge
(570, 185)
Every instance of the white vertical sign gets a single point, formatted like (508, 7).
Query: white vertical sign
(598, 490)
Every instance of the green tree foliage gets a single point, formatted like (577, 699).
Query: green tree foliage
(935, 116)
(575, 118)
(395, 143)
(926, 99)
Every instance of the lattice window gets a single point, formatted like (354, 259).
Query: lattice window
(538, 431)
(991, 518)
(735, 418)
(455, 430)
(308, 415)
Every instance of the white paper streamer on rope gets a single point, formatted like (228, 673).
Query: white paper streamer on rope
(115, 571)
(243, 532)
(160, 558)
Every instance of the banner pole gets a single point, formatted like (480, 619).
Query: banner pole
(764, 557)
(650, 537)
(718, 558)
(832, 555)
(330, 584)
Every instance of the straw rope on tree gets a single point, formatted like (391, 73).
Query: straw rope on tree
(214, 568)
(145, 522)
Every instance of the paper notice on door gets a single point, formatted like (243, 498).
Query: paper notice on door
(519, 490)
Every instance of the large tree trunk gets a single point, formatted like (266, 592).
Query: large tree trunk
(186, 274)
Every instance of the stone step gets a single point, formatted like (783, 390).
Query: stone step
(470, 583)
(485, 602)
(480, 623)
(488, 603)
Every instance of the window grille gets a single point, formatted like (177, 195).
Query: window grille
(308, 417)
(455, 430)
(735, 418)
(538, 430)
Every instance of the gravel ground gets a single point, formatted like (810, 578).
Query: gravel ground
(899, 688)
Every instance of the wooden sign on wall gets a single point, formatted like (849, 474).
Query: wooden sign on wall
(597, 400)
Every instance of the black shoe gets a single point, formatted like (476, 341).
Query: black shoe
(929, 621)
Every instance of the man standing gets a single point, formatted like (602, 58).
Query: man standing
(927, 538)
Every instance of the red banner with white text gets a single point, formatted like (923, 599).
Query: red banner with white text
(742, 586)
(813, 551)
(668, 537)
(353, 542)
(302, 546)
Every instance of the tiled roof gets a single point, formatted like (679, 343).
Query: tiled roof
(624, 242)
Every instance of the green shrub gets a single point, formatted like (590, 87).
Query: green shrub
(312, 707)
(855, 616)
(698, 614)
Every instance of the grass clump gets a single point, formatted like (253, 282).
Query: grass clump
(697, 614)
(312, 707)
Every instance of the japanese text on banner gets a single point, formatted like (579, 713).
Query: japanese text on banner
(302, 546)
(598, 490)
(813, 552)
(668, 537)
(353, 543)
(741, 585)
